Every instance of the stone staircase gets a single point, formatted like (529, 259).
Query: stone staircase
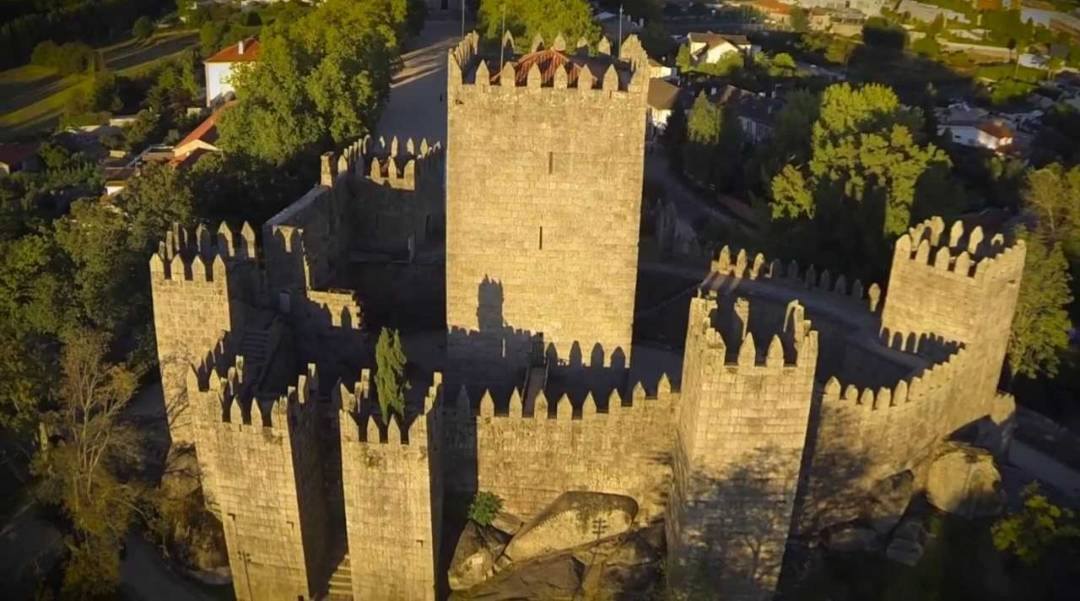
(340, 588)
(254, 347)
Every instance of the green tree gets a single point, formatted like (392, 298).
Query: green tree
(1053, 196)
(143, 28)
(484, 507)
(85, 444)
(1038, 529)
(861, 182)
(790, 141)
(527, 18)
(93, 237)
(704, 124)
(390, 380)
(683, 60)
(800, 19)
(155, 199)
(319, 81)
(1041, 323)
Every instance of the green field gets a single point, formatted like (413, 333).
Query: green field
(32, 97)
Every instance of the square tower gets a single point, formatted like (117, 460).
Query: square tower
(544, 176)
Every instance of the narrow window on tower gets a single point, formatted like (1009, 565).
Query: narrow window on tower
(541, 238)
(551, 163)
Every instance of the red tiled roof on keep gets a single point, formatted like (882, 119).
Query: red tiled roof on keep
(549, 61)
(241, 52)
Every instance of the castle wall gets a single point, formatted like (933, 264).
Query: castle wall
(740, 434)
(268, 486)
(402, 196)
(530, 457)
(203, 286)
(864, 434)
(551, 212)
(393, 492)
(956, 285)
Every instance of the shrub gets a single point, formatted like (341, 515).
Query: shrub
(143, 28)
(484, 507)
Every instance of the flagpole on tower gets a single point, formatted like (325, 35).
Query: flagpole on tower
(618, 42)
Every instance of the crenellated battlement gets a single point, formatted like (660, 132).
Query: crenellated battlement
(549, 67)
(925, 387)
(964, 254)
(724, 328)
(740, 265)
(200, 254)
(360, 421)
(397, 165)
(617, 405)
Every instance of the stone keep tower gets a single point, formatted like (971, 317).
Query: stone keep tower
(544, 177)
(740, 428)
(961, 287)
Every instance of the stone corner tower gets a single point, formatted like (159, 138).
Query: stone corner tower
(544, 175)
(957, 286)
(740, 431)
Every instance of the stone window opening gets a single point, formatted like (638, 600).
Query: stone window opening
(540, 241)
(551, 163)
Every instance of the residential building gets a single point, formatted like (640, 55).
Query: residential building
(708, 48)
(662, 99)
(16, 157)
(201, 140)
(990, 134)
(221, 66)
(756, 112)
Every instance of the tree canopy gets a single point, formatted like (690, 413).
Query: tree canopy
(527, 18)
(320, 80)
(865, 174)
(390, 380)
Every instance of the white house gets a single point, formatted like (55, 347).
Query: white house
(709, 48)
(991, 134)
(662, 99)
(221, 66)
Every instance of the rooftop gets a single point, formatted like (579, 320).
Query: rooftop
(662, 95)
(244, 51)
(711, 39)
(549, 61)
(11, 154)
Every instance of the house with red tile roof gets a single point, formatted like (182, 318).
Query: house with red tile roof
(201, 140)
(221, 66)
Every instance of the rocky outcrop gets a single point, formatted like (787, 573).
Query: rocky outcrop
(475, 555)
(550, 578)
(572, 520)
(964, 481)
(507, 522)
(625, 566)
(852, 537)
(908, 542)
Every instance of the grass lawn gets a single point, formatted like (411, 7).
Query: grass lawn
(32, 97)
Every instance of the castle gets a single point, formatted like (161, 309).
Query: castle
(797, 389)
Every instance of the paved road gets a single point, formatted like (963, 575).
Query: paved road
(417, 106)
(1045, 469)
(689, 203)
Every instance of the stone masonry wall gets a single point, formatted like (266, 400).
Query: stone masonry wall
(741, 427)
(393, 498)
(961, 287)
(530, 457)
(550, 211)
(267, 487)
(202, 287)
